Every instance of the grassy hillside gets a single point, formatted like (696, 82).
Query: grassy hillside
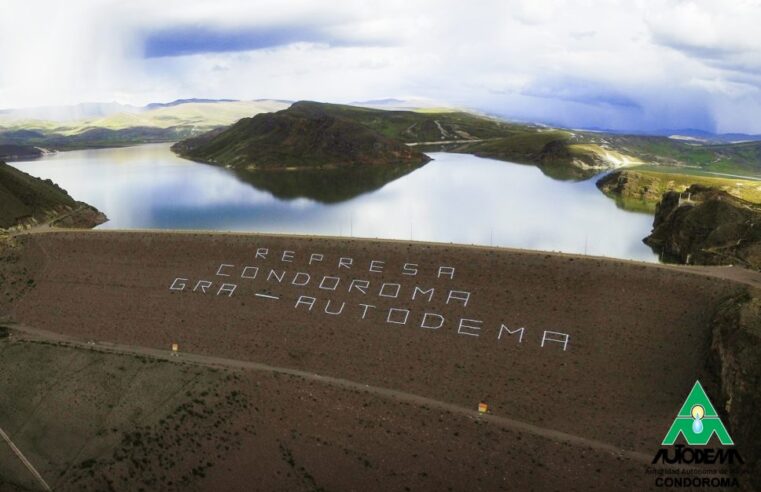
(426, 126)
(24, 197)
(305, 136)
(641, 188)
(732, 158)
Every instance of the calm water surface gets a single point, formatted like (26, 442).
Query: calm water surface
(455, 198)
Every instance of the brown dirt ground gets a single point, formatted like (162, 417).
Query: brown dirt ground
(639, 338)
(178, 427)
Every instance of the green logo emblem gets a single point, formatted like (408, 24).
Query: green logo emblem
(697, 421)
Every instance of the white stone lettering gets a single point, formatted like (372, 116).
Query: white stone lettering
(469, 324)
(394, 290)
(306, 300)
(366, 306)
(423, 292)
(388, 286)
(178, 284)
(227, 289)
(557, 337)
(361, 285)
(334, 313)
(301, 275)
(335, 280)
(424, 323)
(279, 278)
(504, 328)
(391, 311)
(459, 295)
(345, 262)
(203, 284)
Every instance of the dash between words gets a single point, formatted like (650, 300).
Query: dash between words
(224, 286)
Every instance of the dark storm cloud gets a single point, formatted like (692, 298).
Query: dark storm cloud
(583, 92)
(190, 40)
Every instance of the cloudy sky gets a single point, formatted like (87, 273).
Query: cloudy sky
(629, 64)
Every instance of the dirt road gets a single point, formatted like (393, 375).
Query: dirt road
(29, 333)
(25, 461)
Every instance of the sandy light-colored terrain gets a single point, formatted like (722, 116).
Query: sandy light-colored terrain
(584, 362)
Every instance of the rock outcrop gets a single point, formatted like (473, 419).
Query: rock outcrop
(632, 185)
(705, 226)
(736, 360)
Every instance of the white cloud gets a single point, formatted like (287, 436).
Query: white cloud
(567, 61)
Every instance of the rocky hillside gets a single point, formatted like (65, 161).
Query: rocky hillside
(707, 226)
(736, 359)
(305, 136)
(26, 200)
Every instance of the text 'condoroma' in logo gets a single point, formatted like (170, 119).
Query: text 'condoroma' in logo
(697, 422)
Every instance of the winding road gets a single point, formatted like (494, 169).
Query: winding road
(34, 334)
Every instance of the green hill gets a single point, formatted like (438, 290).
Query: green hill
(307, 135)
(25, 199)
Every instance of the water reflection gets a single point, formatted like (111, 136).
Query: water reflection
(328, 185)
(455, 198)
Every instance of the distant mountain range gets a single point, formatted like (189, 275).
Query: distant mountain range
(685, 134)
(118, 125)
(65, 113)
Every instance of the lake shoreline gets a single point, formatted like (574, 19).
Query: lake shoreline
(455, 198)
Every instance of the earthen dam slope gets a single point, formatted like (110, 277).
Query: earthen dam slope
(586, 360)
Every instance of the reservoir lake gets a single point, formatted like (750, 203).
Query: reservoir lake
(456, 198)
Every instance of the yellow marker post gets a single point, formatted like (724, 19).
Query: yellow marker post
(483, 407)
(175, 349)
